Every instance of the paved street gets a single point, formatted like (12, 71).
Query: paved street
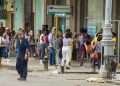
(38, 77)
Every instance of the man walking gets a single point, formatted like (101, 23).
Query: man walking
(22, 46)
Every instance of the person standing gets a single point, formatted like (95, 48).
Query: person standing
(42, 46)
(2, 29)
(96, 53)
(66, 51)
(51, 39)
(22, 47)
(6, 42)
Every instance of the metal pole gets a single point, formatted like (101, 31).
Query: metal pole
(118, 40)
(107, 40)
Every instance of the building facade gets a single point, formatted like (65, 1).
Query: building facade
(32, 14)
(87, 13)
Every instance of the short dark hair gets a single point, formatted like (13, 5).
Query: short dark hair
(83, 30)
(99, 37)
(68, 35)
(88, 42)
(67, 30)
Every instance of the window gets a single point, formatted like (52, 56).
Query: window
(1, 3)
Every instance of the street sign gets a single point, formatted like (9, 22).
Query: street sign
(59, 10)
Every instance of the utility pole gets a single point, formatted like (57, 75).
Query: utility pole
(107, 41)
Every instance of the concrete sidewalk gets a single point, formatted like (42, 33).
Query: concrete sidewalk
(35, 66)
(38, 77)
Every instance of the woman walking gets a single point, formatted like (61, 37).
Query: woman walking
(66, 52)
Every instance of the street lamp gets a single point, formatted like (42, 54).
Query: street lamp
(107, 41)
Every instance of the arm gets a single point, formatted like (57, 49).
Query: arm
(27, 50)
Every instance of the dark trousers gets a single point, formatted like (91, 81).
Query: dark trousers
(21, 67)
(5, 52)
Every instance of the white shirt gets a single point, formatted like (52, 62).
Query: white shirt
(41, 40)
(51, 40)
(1, 40)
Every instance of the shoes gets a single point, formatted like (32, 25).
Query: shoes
(62, 69)
(22, 79)
(68, 68)
(41, 62)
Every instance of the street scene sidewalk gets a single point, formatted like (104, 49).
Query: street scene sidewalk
(38, 77)
(35, 66)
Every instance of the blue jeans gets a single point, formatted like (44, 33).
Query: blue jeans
(5, 52)
(52, 56)
(42, 51)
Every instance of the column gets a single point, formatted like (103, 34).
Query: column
(68, 16)
(79, 15)
(107, 40)
(28, 14)
(39, 15)
(73, 18)
(19, 14)
(95, 13)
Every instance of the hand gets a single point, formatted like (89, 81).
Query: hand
(26, 56)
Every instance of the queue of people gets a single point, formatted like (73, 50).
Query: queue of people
(60, 48)
(6, 35)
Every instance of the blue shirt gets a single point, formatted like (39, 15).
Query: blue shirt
(21, 47)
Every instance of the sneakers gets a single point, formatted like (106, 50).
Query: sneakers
(21, 79)
(41, 62)
(62, 69)
(68, 68)
(5, 61)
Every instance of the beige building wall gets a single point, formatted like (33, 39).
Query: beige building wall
(8, 20)
(73, 21)
(95, 13)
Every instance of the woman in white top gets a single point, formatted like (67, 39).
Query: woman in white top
(66, 51)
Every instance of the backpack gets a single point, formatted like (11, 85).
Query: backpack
(46, 39)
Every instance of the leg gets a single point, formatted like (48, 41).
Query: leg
(52, 56)
(42, 53)
(57, 57)
(60, 55)
(24, 71)
(64, 57)
(68, 56)
(19, 67)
